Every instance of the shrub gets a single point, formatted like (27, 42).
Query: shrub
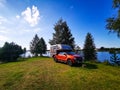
(115, 59)
(10, 52)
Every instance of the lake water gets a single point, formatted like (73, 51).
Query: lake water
(101, 56)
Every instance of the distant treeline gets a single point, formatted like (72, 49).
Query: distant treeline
(109, 49)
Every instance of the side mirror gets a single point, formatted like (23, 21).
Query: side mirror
(65, 54)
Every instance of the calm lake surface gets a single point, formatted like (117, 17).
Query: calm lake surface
(101, 56)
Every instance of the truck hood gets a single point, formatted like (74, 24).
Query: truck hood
(76, 55)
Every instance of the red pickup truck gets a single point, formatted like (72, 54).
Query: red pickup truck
(65, 55)
(68, 57)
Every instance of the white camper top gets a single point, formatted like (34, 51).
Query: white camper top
(58, 47)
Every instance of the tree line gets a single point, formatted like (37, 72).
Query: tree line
(62, 35)
(108, 49)
(11, 52)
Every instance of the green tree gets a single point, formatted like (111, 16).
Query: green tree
(10, 52)
(42, 47)
(62, 34)
(113, 23)
(34, 45)
(114, 58)
(38, 46)
(89, 48)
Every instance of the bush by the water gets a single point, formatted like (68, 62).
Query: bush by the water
(10, 52)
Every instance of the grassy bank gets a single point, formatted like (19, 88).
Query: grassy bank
(44, 74)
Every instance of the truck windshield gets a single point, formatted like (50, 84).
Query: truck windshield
(71, 53)
(66, 47)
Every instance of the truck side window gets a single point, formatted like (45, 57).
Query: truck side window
(61, 53)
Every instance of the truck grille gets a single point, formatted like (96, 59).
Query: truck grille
(79, 58)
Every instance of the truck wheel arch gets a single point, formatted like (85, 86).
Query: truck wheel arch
(69, 62)
(55, 59)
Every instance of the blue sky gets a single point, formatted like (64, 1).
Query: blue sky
(20, 20)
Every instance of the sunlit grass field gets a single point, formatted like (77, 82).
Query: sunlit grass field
(42, 73)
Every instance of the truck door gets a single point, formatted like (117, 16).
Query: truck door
(62, 56)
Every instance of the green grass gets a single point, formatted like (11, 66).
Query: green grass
(44, 74)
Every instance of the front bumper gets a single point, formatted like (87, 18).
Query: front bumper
(78, 60)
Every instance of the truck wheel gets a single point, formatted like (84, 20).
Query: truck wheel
(55, 59)
(69, 62)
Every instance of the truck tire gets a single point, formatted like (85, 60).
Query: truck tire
(69, 62)
(55, 59)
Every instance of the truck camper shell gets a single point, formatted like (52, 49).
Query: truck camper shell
(55, 49)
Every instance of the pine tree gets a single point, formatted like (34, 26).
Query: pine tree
(62, 34)
(33, 45)
(42, 47)
(38, 46)
(89, 48)
(113, 23)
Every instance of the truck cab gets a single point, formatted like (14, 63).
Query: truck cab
(64, 53)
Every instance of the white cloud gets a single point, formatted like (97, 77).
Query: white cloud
(17, 30)
(2, 20)
(36, 30)
(31, 15)
(28, 30)
(3, 31)
(18, 17)
(3, 38)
